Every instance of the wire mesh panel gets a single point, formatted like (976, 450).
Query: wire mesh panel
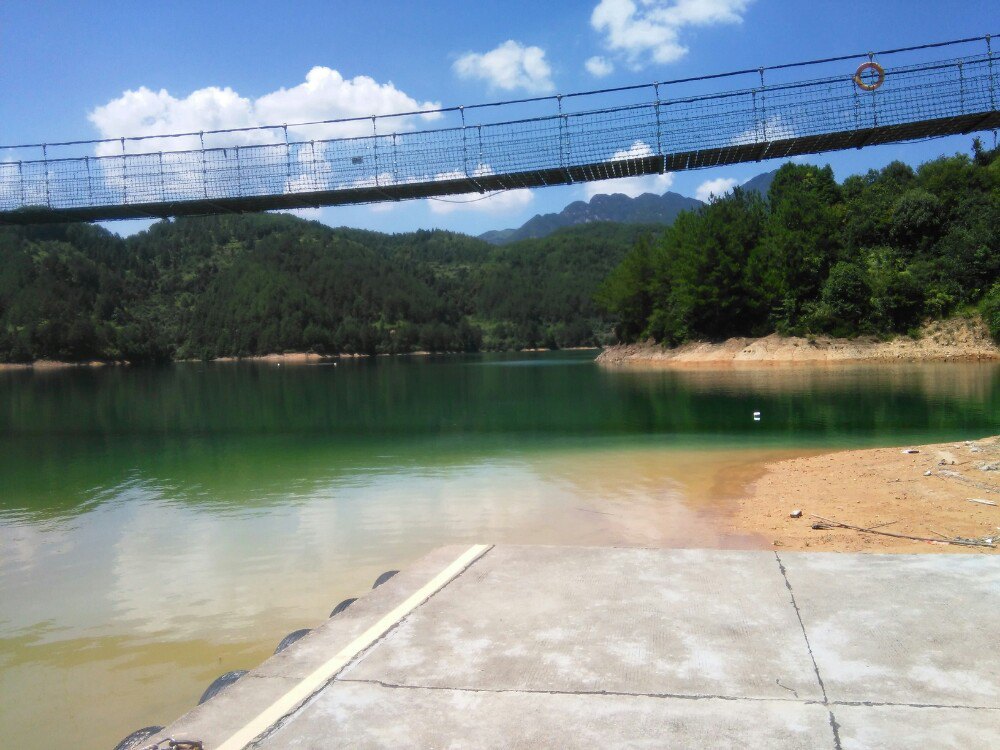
(662, 126)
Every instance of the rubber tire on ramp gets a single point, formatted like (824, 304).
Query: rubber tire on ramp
(289, 639)
(135, 739)
(342, 606)
(220, 684)
(383, 578)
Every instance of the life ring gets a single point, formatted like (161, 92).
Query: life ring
(864, 68)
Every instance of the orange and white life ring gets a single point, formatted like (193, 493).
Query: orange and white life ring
(864, 68)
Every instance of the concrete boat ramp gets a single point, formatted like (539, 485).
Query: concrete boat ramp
(556, 647)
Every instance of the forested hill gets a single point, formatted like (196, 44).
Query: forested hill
(880, 253)
(877, 254)
(248, 285)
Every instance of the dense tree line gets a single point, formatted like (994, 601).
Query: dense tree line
(246, 285)
(878, 254)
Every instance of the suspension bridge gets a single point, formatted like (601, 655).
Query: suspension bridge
(843, 102)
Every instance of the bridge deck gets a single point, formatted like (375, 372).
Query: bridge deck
(589, 647)
(660, 127)
(701, 159)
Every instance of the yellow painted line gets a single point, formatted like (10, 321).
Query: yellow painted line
(312, 683)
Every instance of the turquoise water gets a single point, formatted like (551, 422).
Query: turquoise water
(161, 526)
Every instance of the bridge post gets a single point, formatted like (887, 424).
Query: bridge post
(395, 160)
(961, 87)
(45, 161)
(465, 152)
(288, 158)
(763, 107)
(20, 179)
(989, 62)
(204, 170)
(163, 196)
(124, 175)
(90, 184)
(375, 147)
(239, 174)
(562, 140)
(659, 145)
(871, 58)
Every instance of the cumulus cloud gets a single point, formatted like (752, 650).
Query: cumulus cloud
(630, 186)
(508, 67)
(650, 30)
(715, 188)
(324, 95)
(599, 66)
(508, 201)
(774, 128)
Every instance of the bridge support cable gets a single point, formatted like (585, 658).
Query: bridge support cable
(706, 121)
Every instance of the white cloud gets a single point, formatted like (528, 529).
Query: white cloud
(509, 201)
(630, 186)
(774, 128)
(650, 30)
(324, 95)
(599, 66)
(508, 67)
(312, 214)
(657, 184)
(715, 188)
(506, 201)
(638, 150)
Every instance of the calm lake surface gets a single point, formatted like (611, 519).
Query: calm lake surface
(159, 527)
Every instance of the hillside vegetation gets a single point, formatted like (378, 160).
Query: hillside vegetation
(878, 254)
(881, 253)
(250, 285)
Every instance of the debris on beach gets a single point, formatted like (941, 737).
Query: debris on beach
(828, 523)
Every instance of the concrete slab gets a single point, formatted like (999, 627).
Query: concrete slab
(364, 715)
(214, 721)
(906, 728)
(329, 637)
(907, 629)
(574, 647)
(217, 720)
(680, 622)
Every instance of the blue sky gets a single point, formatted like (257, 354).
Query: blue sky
(66, 66)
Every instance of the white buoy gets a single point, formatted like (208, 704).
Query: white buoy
(756, 416)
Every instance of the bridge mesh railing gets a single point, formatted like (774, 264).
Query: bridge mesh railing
(660, 123)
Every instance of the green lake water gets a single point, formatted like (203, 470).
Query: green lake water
(161, 526)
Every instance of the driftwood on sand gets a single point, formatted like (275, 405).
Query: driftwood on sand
(827, 523)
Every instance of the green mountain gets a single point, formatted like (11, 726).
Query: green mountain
(878, 254)
(258, 284)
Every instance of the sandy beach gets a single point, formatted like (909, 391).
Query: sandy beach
(929, 493)
(958, 340)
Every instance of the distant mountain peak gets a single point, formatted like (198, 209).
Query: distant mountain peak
(647, 208)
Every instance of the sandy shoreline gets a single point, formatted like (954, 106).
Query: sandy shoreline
(956, 340)
(924, 494)
(287, 358)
